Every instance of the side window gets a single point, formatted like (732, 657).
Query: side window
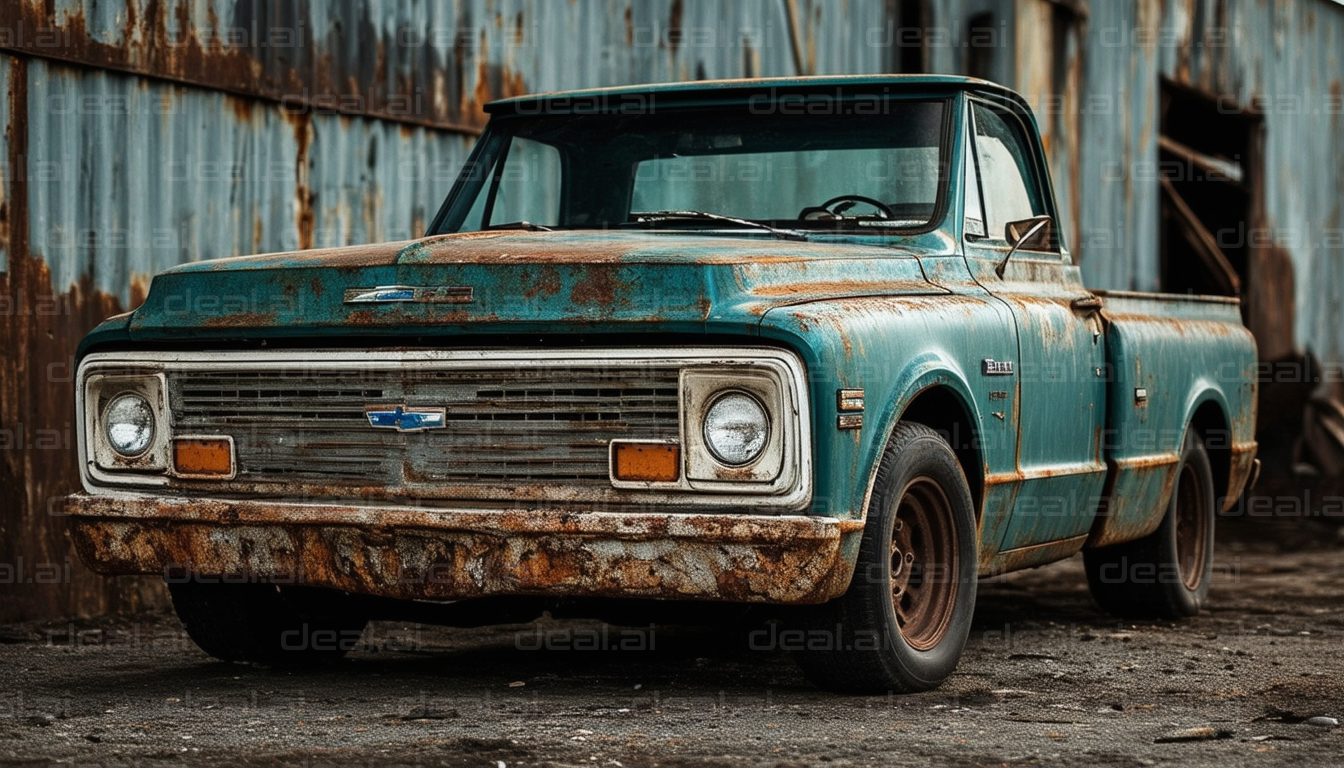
(975, 210)
(526, 189)
(1009, 188)
(529, 185)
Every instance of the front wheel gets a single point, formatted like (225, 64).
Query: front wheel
(902, 624)
(266, 623)
(1165, 574)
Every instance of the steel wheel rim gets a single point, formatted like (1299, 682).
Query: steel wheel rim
(924, 564)
(1191, 524)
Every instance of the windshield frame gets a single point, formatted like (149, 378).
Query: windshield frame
(491, 150)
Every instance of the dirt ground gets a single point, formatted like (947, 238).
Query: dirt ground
(1047, 679)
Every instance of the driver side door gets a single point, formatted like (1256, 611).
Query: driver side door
(1060, 384)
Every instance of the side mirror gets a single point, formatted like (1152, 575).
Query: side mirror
(1032, 234)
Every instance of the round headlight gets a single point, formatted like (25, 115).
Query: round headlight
(736, 428)
(129, 425)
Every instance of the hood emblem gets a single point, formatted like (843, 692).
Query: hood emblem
(404, 419)
(414, 294)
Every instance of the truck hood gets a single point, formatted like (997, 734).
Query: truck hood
(507, 282)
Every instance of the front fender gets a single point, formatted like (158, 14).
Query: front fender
(894, 348)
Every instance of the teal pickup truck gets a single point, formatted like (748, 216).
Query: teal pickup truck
(811, 344)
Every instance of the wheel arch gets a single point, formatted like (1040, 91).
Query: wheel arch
(934, 393)
(1208, 416)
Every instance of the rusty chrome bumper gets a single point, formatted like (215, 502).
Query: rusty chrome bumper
(430, 553)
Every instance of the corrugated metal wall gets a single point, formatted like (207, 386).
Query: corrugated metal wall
(142, 134)
(145, 134)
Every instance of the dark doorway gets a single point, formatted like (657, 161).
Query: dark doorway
(1208, 169)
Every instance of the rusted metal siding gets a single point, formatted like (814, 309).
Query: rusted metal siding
(1116, 176)
(129, 177)
(437, 63)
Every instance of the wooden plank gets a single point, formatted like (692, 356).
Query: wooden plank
(1216, 169)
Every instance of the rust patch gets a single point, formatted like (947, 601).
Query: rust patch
(546, 283)
(139, 289)
(388, 551)
(241, 320)
(482, 94)
(599, 286)
(674, 31)
(162, 42)
(305, 219)
(839, 288)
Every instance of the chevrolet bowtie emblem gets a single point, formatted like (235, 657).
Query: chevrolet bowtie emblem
(404, 419)
(398, 294)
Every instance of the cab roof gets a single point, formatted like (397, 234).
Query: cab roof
(728, 91)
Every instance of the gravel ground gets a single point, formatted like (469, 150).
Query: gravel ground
(1047, 679)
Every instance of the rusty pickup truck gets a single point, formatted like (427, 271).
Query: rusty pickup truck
(811, 345)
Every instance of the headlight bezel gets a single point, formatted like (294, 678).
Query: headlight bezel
(98, 391)
(769, 384)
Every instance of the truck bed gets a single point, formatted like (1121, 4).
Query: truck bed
(1174, 360)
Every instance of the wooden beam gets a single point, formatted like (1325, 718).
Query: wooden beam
(1216, 169)
(1203, 242)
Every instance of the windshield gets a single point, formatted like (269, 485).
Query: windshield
(700, 168)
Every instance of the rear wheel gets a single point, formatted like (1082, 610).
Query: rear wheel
(1166, 573)
(266, 623)
(903, 622)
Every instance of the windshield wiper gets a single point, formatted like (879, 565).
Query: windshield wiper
(525, 225)
(653, 217)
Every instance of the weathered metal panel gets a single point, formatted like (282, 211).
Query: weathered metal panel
(128, 177)
(374, 181)
(438, 63)
(1116, 174)
(958, 28)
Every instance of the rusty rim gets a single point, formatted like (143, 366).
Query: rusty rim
(1192, 518)
(924, 564)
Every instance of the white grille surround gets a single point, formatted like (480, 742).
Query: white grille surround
(522, 428)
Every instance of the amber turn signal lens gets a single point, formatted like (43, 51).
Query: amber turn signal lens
(646, 462)
(196, 456)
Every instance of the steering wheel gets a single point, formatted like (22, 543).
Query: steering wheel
(836, 207)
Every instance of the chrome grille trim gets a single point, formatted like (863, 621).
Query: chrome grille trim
(537, 424)
(522, 426)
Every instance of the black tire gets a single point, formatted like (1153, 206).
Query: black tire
(1165, 574)
(896, 629)
(266, 623)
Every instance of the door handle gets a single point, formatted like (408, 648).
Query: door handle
(1087, 304)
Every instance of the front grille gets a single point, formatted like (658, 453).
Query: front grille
(524, 425)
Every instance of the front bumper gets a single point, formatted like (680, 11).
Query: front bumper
(444, 554)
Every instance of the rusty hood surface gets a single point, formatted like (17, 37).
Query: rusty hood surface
(505, 282)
